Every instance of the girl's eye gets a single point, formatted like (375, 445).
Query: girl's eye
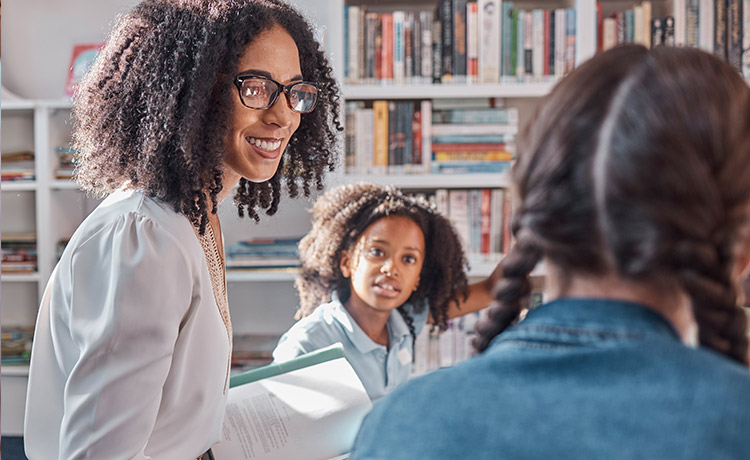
(377, 252)
(410, 259)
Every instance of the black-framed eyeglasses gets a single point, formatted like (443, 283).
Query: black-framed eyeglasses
(260, 92)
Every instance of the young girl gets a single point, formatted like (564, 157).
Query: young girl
(376, 266)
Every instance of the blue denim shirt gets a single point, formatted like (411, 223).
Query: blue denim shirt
(577, 379)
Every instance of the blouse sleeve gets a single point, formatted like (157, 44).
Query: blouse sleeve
(131, 287)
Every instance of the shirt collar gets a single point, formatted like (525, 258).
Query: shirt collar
(397, 328)
(626, 319)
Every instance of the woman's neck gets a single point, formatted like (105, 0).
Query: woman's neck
(672, 303)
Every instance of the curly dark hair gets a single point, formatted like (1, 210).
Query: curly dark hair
(343, 214)
(637, 165)
(153, 110)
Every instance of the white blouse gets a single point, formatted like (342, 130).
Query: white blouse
(130, 357)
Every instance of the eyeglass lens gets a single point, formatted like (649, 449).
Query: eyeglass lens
(260, 93)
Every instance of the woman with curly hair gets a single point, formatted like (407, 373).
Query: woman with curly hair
(188, 100)
(633, 184)
(376, 266)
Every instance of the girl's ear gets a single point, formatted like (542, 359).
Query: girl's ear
(345, 264)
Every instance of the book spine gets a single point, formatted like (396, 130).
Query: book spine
(528, 43)
(425, 18)
(347, 42)
(416, 131)
(354, 43)
(407, 115)
(458, 213)
(446, 35)
(489, 41)
(720, 28)
(472, 42)
(538, 43)
(369, 45)
(706, 25)
(657, 32)
(399, 50)
(746, 39)
(629, 25)
(437, 51)
(669, 31)
(486, 220)
(519, 17)
(415, 47)
(380, 112)
(366, 160)
(559, 42)
(692, 32)
(647, 16)
(506, 44)
(734, 33)
(426, 109)
(570, 39)
(679, 12)
(459, 40)
(387, 54)
(546, 43)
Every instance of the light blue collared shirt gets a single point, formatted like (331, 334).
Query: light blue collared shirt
(380, 369)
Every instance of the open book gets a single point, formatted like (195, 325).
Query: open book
(309, 408)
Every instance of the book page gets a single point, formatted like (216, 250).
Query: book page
(307, 414)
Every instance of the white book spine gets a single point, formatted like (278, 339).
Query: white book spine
(489, 40)
(538, 43)
(646, 7)
(746, 39)
(706, 25)
(521, 34)
(425, 18)
(609, 33)
(679, 13)
(638, 24)
(354, 45)
(399, 68)
(559, 42)
(472, 39)
(368, 155)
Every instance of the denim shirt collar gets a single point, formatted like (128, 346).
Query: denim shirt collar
(397, 328)
(598, 319)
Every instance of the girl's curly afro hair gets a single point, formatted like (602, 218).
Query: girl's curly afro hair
(343, 214)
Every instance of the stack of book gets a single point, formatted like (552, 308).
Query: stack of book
(66, 158)
(445, 136)
(473, 140)
(16, 345)
(264, 254)
(17, 166)
(18, 253)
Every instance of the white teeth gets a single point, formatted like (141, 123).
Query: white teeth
(264, 145)
(387, 287)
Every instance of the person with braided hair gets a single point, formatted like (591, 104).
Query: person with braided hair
(632, 184)
(188, 101)
(376, 266)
